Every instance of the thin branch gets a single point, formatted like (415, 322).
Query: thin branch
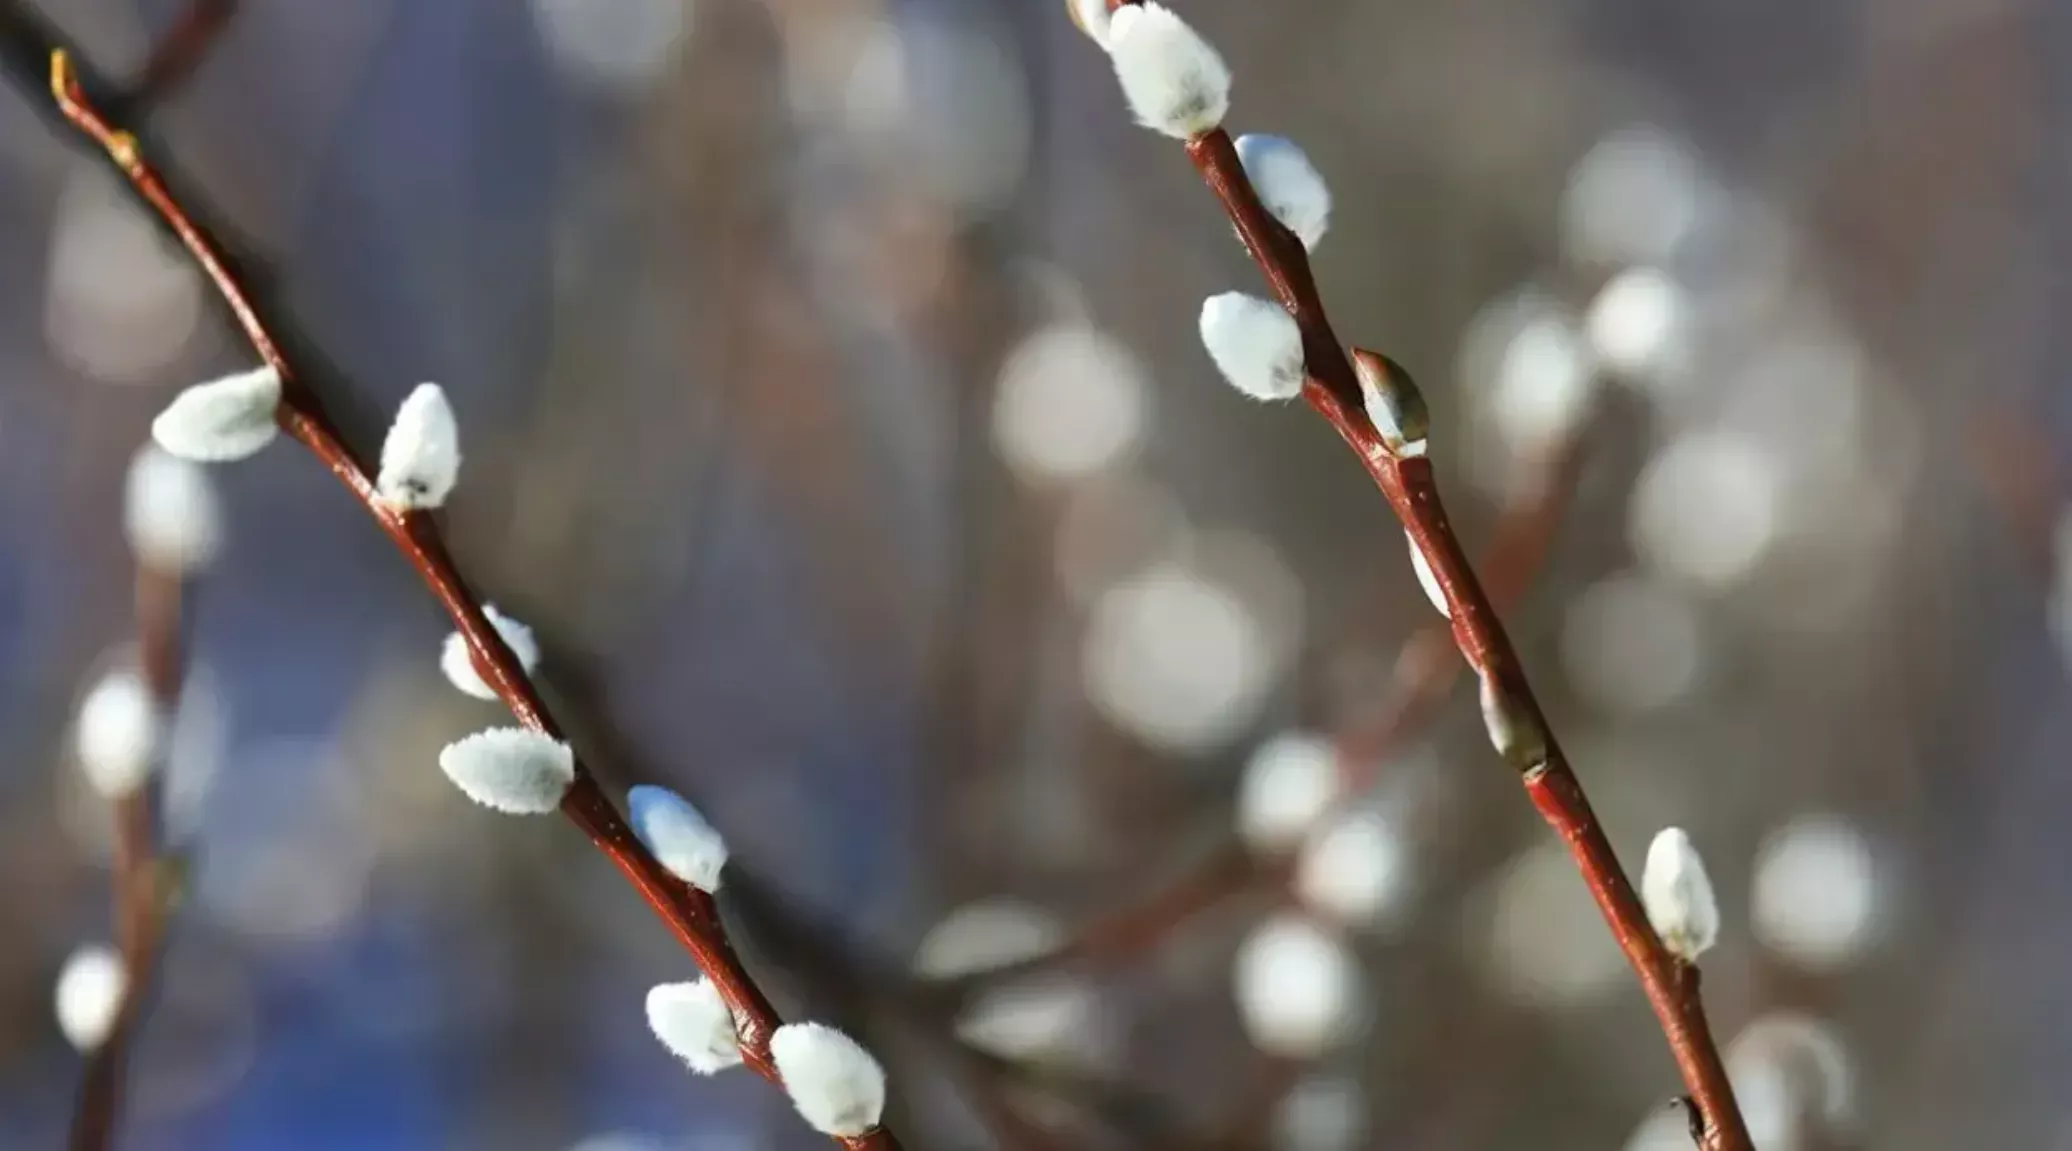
(690, 914)
(1334, 390)
(1425, 671)
(176, 56)
(1429, 663)
(2023, 483)
(145, 879)
(819, 955)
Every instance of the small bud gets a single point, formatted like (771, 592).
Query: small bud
(121, 732)
(1810, 1058)
(1354, 870)
(1298, 989)
(1426, 578)
(989, 934)
(226, 419)
(89, 995)
(1173, 79)
(678, 836)
(1092, 18)
(1678, 896)
(1637, 324)
(836, 1085)
(1289, 783)
(1394, 404)
(1050, 1018)
(510, 769)
(695, 1024)
(1819, 896)
(420, 459)
(1288, 184)
(170, 512)
(617, 1141)
(1255, 343)
(458, 663)
(1515, 734)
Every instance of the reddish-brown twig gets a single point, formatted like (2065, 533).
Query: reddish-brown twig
(177, 54)
(2023, 482)
(1425, 671)
(145, 881)
(691, 914)
(1334, 390)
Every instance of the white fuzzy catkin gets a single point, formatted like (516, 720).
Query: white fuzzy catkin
(1255, 343)
(1678, 896)
(1289, 783)
(1353, 870)
(837, 1086)
(678, 835)
(511, 769)
(1297, 988)
(1803, 1058)
(120, 734)
(1093, 18)
(1050, 1018)
(991, 933)
(420, 459)
(226, 419)
(170, 512)
(458, 663)
(1426, 578)
(1173, 79)
(1288, 184)
(89, 995)
(617, 1141)
(695, 1024)
(1817, 895)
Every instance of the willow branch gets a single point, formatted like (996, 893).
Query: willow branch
(1334, 390)
(690, 914)
(176, 56)
(1426, 669)
(145, 879)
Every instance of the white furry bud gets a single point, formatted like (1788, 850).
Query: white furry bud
(1678, 896)
(1255, 343)
(1173, 79)
(836, 1085)
(458, 663)
(1288, 184)
(170, 512)
(1818, 896)
(989, 934)
(1354, 870)
(1427, 578)
(120, 734)
(420, 459)
(511, 769)
(678, 835)
(226, 419)
(1289, 783)
(1093, 18)
(89, 995)
(1039, 1018)
(694, 1023)
(1297, 988)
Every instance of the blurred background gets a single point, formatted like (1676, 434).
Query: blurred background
(833, 410)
